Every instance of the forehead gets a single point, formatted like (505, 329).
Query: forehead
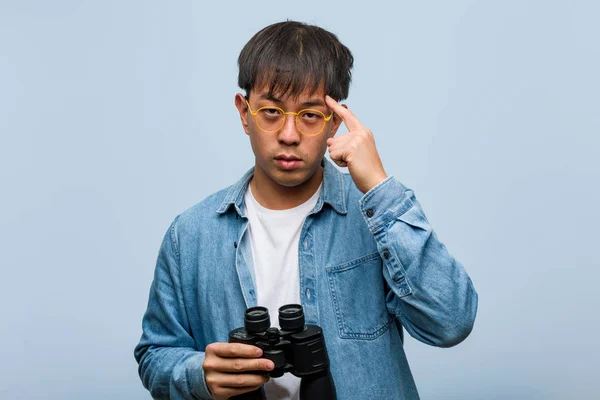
(308, 93)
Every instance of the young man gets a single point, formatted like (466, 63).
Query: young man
(354, 249)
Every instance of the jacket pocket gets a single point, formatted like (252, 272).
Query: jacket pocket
(357, 291)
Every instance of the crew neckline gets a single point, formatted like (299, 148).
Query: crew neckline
(311, 201)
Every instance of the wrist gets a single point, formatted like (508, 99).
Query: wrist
(374, 181)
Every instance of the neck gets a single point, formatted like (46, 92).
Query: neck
(274, 196)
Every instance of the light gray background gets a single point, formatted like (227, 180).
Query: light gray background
(115, 116)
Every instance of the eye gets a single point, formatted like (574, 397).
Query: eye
(271, 112)
(312, 116)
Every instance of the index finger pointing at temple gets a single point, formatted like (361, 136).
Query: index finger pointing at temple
(349, 119)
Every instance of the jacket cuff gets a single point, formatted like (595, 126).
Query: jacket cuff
(195, 371)
(384, 203)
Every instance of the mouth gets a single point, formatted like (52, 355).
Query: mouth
(288, 162)
(287, 158)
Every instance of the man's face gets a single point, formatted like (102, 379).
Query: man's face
(287, 157)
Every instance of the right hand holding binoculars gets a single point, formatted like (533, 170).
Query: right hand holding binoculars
(231, 369)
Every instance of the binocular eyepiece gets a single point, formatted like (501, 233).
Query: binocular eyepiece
(291, 318)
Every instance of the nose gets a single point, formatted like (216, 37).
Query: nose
(289, 134)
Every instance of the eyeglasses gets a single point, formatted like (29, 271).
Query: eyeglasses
(310, 122)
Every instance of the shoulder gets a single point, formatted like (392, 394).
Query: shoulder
(351, 193)
(200, 217)
(350, 188)
(339, 189)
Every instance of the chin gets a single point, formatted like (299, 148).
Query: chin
(290, 181)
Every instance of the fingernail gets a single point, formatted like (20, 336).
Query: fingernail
(258, 352)
(270, 365)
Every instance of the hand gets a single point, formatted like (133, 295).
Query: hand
(227, 366)
(356, 150)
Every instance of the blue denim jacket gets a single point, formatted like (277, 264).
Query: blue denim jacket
(370, 265)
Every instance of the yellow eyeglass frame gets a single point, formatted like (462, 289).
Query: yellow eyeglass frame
(285, 114)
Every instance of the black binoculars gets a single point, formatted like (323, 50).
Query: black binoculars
(296, 348)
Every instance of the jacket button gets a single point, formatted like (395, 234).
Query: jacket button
(386, 254)
(370, 212)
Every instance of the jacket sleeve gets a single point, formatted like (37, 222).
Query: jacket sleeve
(430, 292)
(170, 366)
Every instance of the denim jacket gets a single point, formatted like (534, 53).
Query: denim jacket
(370, 265)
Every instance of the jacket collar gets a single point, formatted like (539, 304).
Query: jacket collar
(332, 192)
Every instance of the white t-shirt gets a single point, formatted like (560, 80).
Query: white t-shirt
(274, 237)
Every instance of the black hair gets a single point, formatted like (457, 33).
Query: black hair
(291, 57)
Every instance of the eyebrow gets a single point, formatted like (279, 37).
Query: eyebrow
(308, 103)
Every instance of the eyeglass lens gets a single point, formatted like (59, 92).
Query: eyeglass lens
(309, 122)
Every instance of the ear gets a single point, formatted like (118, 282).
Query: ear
(336, 123)
(240, 104)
